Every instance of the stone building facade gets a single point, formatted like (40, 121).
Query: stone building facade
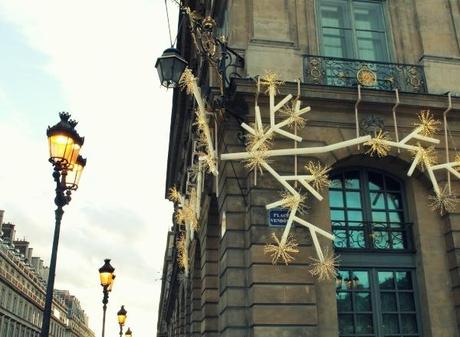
(399, 271)
(22, 294)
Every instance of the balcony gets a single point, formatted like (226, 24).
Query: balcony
(341, 72)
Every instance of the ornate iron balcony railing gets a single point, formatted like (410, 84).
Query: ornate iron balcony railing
(341, 72)
(372, 235)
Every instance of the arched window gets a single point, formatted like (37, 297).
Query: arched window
(368, 211)
(376, 292)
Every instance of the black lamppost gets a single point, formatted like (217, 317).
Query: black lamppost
(64, 147)
(107, 277)
(121, 315)
(128, 333)
(170, 67)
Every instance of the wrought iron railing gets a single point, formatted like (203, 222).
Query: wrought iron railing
(343, 72)
(375, 235)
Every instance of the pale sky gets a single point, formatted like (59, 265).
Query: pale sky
(96, 60)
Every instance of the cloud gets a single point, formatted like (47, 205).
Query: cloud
(98, 56)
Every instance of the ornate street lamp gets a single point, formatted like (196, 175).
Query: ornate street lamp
(107, 277)
(121, 315)
(64, 149)
(170, 67)
(128, 333)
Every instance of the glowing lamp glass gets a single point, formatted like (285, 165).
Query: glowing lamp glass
(75, 152)
(62, 149)
(106, 279)
(72, 179)
(128, 333)
(121, 319)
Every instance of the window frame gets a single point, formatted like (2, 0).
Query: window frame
(367, 212)
(376, 303)
(354, 43)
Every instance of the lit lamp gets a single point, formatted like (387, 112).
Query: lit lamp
(74, 174)
(64, 141)
(128, 333)
(64, 149)
(121, 315)
(107, 277)
(170, 67)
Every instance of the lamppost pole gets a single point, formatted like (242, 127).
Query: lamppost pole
(105, 300)
(64, 146)
(60, 202)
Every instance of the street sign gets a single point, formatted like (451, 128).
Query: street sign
(278, 217)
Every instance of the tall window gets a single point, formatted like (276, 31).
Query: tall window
(353, 29)
(376, 293)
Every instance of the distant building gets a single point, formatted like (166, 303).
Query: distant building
(22, 293)
(78, 320)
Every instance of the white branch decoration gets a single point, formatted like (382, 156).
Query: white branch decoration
(258, 153)
(257, 156)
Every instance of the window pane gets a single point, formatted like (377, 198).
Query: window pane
(394, 201)
(340, 240)
(379, 216)
(375, 181)
(377, 200)
(371, 46)
(334, 14)
(343, 275)
(362, 301)
(406, 302)
(343, 301)
(337, 43)
(388, 301)
(409, 324)
(345, 324)
(336, 182)
(356, 239)
(399, 241)
(364, 324)
(404, 280)
(390, 324)
(352, 180)
(368, 16)
(361, 279)
(395, 216)
(386, 280)
(381, 240)
(337, 215)
(336, 198)
(353, 199)
(355, 216)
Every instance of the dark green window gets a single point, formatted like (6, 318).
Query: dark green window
(376, 283)
(368, 212)
(376, 303)
(353, 29)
